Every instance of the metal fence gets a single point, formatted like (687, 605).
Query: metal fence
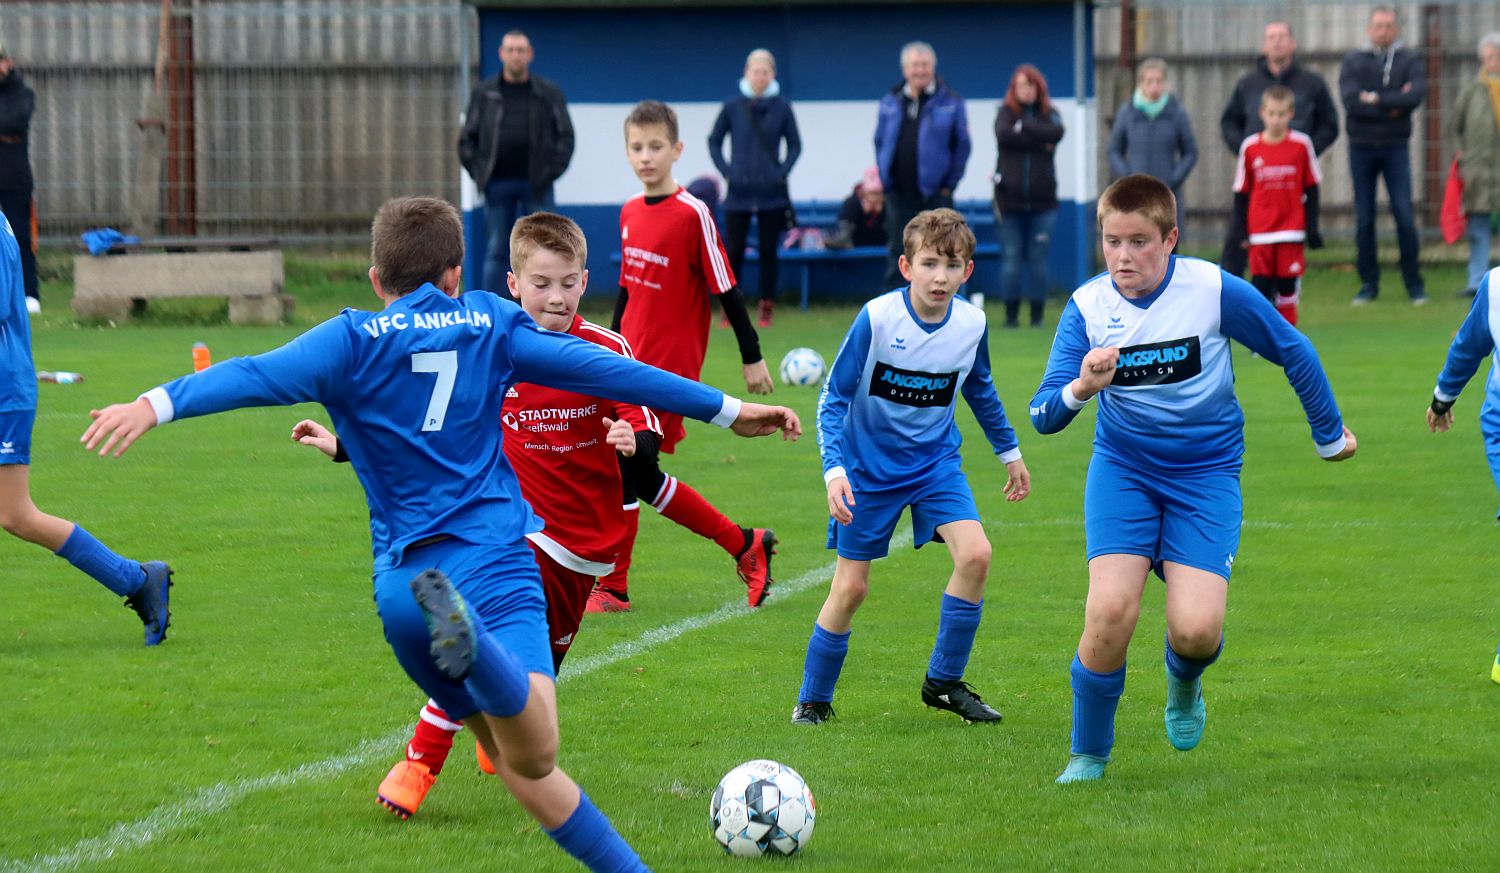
(1209, 44)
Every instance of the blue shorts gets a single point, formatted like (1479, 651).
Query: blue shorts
(938, 501)
(15, 436)
(1192, 520)
(503, 589)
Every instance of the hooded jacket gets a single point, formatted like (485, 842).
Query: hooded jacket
(1398, 77)
(1314, 113)
(756, 176)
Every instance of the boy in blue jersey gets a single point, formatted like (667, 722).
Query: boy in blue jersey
(889, 441)
(415, 392)
(1478, 336)
(1151, 339)
(145, 587)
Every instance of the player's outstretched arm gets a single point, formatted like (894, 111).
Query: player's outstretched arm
(758, 378)
(1017, 481)
(310, 433)
(118, 426)
(757, 419)
(840, 500)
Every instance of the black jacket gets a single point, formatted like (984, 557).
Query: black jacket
(1398, 77)
(1026, 178)
(17, 103)
(1314, 112)
(551, 132)
(757, 174)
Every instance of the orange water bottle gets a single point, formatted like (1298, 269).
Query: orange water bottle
(201, 358)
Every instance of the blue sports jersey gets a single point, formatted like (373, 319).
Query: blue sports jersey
(17, 373)
(1476, 338)
(885, 414)
(1171, 406)
(414, 392)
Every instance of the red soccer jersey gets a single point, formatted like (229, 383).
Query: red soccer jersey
(671, 262)
(554, 440)
(1275, 175)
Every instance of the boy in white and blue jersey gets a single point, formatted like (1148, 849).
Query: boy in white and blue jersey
(1477, 337)
(888, 440)
(415, 392)
(1151, 339)
(145, 587)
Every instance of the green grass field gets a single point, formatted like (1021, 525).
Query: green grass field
(1353, 725)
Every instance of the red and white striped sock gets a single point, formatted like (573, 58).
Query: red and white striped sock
(433, 738)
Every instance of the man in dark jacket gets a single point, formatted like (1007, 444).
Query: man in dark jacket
(517, 139)
(1313, 112)
(17, 103)
(921, 146)
(1382, 85)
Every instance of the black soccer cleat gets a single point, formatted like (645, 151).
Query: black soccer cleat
(812, 712)
(958, 697)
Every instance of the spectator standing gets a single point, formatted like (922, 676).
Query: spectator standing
(1027, 130)
(921, 146)
(1315, 112)
(861, 220)
(758, 122)
(1153, 135)
(17, 104)
(1382, 84)
(516, 141)
(1474, 125)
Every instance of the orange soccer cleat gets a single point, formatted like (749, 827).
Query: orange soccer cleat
(405, 787)
(754, 564)
(483, 760)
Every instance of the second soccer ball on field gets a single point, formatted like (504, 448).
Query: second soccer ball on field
(802, 367)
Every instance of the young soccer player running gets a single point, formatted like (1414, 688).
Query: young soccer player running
(145, 587)
(415, 391)
(889, 441)
(1151, 339)
(1276, 200)
(672, 262)
(1477, 337)
(562, 446)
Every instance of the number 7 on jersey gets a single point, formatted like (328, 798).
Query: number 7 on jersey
(445, 365)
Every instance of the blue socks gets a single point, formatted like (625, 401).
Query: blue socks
(1095, 698)
(123, 577)
(825, 660)
(958, 622)
(498, 682)
(1187, 669)
(588, 836)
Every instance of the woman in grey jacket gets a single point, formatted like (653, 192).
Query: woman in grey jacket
(1152, 135)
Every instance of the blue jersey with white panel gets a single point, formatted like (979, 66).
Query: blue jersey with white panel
(17, 373)
(1477, 336)
(885, 414)
(414, 392)
(1171, 406)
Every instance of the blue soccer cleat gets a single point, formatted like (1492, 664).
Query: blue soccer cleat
(1185, 713)
(151, 599)
(454, 642)
(1082, 768)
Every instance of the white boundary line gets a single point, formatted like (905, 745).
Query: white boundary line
(215, 799)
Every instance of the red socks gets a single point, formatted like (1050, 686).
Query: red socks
(433, 739)
(682, 504)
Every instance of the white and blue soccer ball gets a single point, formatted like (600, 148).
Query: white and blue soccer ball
(802, 367)
(762, 808)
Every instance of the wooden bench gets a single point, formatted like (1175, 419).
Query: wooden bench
(119, 283)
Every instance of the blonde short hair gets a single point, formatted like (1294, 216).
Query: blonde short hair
(1146, 196)
(546, 231)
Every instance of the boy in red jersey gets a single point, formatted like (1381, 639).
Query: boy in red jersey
(563, 448)
(672, 262)
(1276, 201)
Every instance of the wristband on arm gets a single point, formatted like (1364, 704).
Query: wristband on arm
(1441, 407)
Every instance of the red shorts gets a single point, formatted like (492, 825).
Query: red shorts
(672, 430)
(1277, 260)
(567, 593)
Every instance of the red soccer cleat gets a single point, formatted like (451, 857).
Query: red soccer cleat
(754, 565)
(405, 787)
(484, 761)
(603, 600)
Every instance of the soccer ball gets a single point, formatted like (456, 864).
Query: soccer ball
(762, 808)
(802, 367)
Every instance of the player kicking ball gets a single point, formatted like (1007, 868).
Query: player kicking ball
(1151, 340)
(889, 441)
(414, 391)
(1477, 337)
(145, 587)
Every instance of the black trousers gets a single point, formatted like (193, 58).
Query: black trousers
(901, 208)
(17, 208)
(770, 222)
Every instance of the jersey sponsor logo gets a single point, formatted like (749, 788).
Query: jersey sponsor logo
(1159, 363)
(509, 420)
(381, 325)
(635, 256)
(912, 387)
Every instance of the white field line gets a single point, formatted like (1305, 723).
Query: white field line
(215, 799)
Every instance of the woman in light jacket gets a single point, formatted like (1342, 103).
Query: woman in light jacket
(1152, 135)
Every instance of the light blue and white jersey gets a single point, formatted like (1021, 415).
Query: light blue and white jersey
(1171, 406)
(1477, 337)
(17, 373)
(885, 415)
(415, 391)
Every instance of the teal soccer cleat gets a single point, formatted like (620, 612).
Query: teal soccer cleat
(1185, 713)
(454, 642)
(150, 601)
(1082, 768)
